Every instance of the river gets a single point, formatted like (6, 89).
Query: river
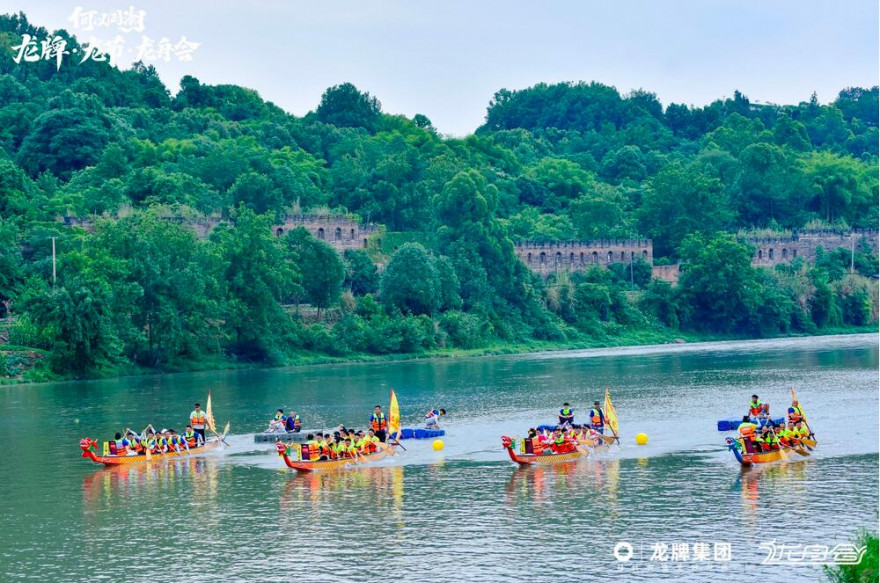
(461, 514)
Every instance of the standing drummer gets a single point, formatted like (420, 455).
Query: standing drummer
(197, 420)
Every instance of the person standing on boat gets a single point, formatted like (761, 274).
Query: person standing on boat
(378, 423)
(597, 418)
(566, 415)
(197, 420)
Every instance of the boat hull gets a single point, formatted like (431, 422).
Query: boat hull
(328, 465)
(125, 460)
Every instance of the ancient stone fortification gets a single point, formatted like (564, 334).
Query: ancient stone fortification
(339, 232)
(546, 258)
(773, 251)
(668, 273)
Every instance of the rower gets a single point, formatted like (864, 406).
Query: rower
(190, 437)
(597, 418)
(197, 420)
(121, 445)
(378, 423)
(792, 434)
(373, 440)
(293, 422)
(803, 431)
(566, 414)
(312, 453)
(795, 413)
(432, 418)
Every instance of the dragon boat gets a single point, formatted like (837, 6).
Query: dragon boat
(89, 447)
(384, 449)
(301, 465)
(525, 459)
(747, 454)
(596, 442)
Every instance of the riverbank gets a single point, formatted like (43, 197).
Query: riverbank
(22, 365)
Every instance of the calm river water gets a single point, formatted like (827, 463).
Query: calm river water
(462, 514)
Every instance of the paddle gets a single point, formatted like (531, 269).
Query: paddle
(222, 437)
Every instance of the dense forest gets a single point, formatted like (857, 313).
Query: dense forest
(552, 162)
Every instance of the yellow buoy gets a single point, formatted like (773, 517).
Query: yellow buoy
(437, 445)
(641, 439)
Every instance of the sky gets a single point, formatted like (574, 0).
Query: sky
(446, 59)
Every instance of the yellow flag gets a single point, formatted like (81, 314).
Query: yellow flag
(394, 416)
(794, 398)
(610, 413)
(209, 415)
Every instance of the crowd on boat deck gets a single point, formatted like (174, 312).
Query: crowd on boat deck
(341, 444)
(130, 442)
(760, 434)
(560, 440)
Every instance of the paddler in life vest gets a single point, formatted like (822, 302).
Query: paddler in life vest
(597, 418)
(566, 415)
(792, 434)
(121, 445)
(197, 420)
(802, 429)
(189, 437)
(560, 444)
(795, 413)
(378, 423)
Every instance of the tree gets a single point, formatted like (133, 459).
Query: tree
(68, 137)
(719, 284)
(256, 276)
(345, 106)
(174, 314)
(682, 200)
(410, 281)
(75, 317)
(601, 213)
(320, 266)
(361, 274)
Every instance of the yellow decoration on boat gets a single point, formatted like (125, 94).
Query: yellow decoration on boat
(394, 416)
(610, 413)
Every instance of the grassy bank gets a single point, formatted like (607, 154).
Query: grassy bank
(28, 365)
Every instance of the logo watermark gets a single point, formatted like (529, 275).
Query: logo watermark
(815, 554)
(57, 48)
(717, 555)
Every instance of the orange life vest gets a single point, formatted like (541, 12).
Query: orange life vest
(378, 423)
(197, 419)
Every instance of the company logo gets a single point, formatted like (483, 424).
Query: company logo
(841, 554)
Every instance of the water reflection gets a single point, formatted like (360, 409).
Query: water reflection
(131, 486)
(785, 479)
(542, 484)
